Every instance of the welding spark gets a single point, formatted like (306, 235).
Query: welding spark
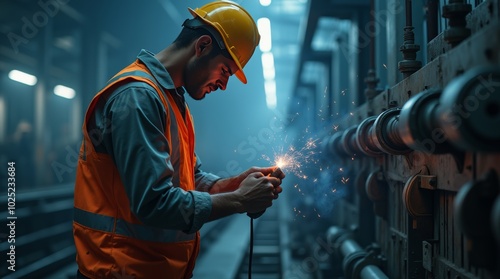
(311, 143)
(292, 159)
(335, 127)
(385, 66)
(319, 216)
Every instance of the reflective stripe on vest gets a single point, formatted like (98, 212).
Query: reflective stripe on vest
(121, 227)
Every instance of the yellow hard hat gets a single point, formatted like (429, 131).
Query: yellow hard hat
(236, 27)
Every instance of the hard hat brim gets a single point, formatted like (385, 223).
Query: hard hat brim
(239, 74)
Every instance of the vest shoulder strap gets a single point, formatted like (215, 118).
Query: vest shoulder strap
(132, 72)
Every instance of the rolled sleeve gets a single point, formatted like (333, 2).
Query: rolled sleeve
(205, 181)
(202, 210)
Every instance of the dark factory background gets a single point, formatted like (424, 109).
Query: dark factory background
(385, 116)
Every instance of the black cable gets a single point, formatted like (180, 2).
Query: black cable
(277, 172)
(251, 250)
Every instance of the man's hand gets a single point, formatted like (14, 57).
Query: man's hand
(257, 192)
(251, 191)
(232, 183)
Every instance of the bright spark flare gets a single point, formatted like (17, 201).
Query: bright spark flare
(292, 159)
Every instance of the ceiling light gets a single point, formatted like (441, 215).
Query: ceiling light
(22, 77)
(270, 88)
(268, 65)
(64, 91)
(264, 26)
(265, 3)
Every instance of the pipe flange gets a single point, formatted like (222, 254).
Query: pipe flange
(456, 9)
(348, 141)
(418, 127)
(388, 141)
(364, 139)
(473, 210)
(350, 262)
(469, 110)
(372, 258)
(335, 236)
(333, 145)
(473, 205)
(455, 12)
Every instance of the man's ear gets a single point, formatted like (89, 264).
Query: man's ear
(203, 43)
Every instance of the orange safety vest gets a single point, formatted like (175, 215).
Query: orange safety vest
(111, 241)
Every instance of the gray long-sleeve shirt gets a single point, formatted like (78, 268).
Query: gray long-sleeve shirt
(129, 125)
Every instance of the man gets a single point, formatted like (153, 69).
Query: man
(140, 195)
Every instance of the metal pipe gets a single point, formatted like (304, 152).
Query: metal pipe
(409, 20)
(392, 131)
(349, 246)
(432, 19)
(372, 272)
(359, 264)
(372, 36)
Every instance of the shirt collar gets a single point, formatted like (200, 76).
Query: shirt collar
(158, 70)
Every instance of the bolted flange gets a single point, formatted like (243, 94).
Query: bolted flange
(334, 145)
(418, 125)
(365, 138)
(455, 11)
(387, 134)
(348, 141)
(469, 111)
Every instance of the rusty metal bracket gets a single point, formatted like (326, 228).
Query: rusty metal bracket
(417, 198)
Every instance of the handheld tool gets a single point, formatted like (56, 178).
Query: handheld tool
(276, 173)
